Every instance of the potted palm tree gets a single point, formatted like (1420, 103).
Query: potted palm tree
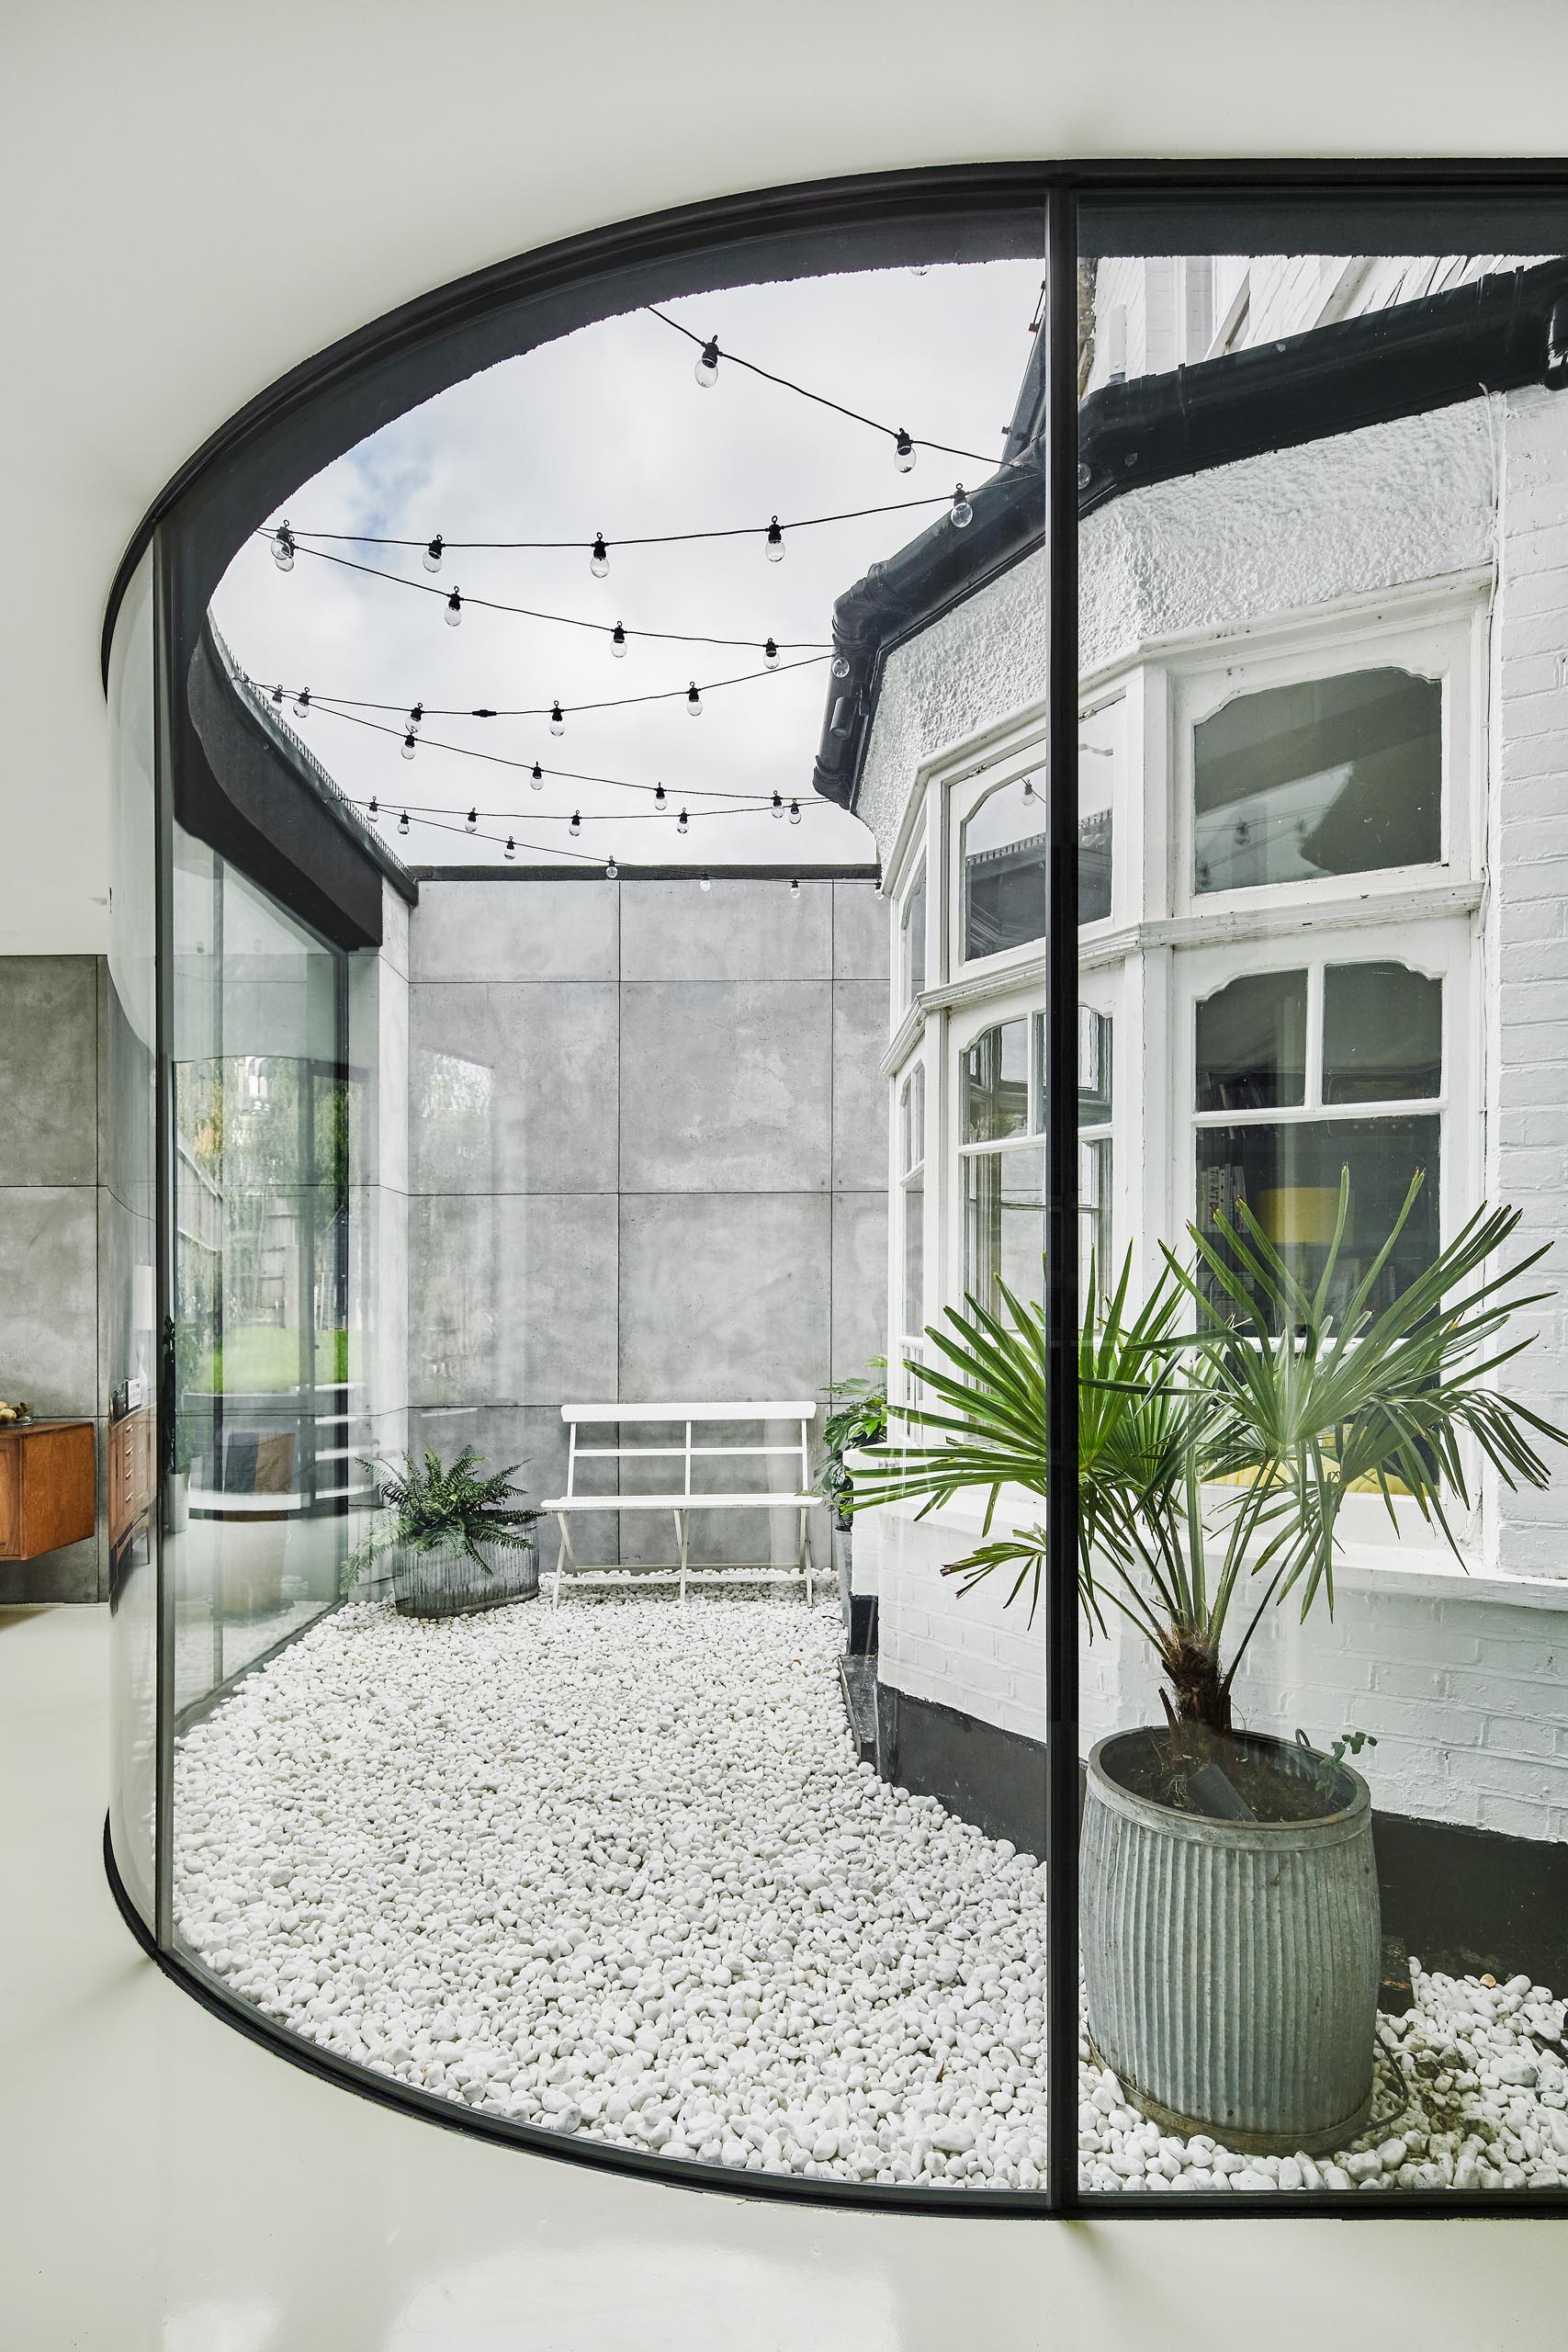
(1228, 1894)
(456, 1541)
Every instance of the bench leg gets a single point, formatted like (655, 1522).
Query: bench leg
(562, 1557)
(682, 1537)
(803, 1559)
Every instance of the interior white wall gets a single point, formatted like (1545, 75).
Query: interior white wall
(193, 206)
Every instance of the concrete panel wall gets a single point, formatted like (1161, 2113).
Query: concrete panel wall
(648, 1159)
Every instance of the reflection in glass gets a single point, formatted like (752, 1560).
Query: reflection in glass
(1097, 769)
(1252, 1044)
(1094, 1148)
(1337, 776)
(1382, 1034)
(1004, 1224)
(1004, 870)
(995, 1083)
(914, 940)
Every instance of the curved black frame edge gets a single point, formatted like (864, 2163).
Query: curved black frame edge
(1008, 2204)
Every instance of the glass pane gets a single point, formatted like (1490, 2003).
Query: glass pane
(1338, 776)
(1004, 1225)
(1004, 870)
(995, 1083)
(128, 1333)
(1382, 1034)
(1096, 773)
(1252, 1044)
(914, 1255)
(912, 1121)
(1094, 1215)
(1094, 1067)
(914, 940)
(1289, 1176)
(261, 1236)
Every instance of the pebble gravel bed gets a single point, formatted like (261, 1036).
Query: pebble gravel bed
(612, 1870)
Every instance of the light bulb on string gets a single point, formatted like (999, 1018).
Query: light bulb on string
(706, 369)
(558, 719)
(778, 805)
(681, 822)
(775, 547)
(410, 744)
(706, 882)
(283, 546)
(453, 609)
(903, 452)
(618, 642)
(612, 869)
(839, 666)
(770, 654)
(794, 812)
(403, 822)
(693, 701)
(511, 849)
(374, 811)
(795, 889)
(537, 778)
(302, 703)
(1029, 791)
(659, 795)
(963, 514)
(576, 825)
(599, 561)
(472, 820)
(432, 556)
(278, 698)
(416, 715)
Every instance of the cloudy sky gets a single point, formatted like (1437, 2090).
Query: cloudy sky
(607, 431)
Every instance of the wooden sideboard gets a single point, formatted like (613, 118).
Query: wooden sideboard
(48, 1486)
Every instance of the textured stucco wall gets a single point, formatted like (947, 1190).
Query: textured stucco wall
(647, 1160)
(1394, 503)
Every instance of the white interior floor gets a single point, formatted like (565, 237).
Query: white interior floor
(165, 2186)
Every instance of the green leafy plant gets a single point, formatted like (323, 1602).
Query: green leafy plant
(436, 1506)
(860, 1420)
(1221, 1425)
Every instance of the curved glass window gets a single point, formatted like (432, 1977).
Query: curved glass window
(1003, 854)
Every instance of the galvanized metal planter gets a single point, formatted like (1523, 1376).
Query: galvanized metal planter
(450, 1582)
(1232, 1967)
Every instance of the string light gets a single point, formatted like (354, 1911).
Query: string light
(706, 369)
(374, 811)
(510, 851)
(403, 822)
(431, 558)
(681, 822)
(903, 452)
(778, 805)
(535, 778)
(794, 812)
(659, 795)
(302, 703)
(453, 609)
(558, 719)
(408, 744)
(278, 697)
(693, 701)
(648, 539)
(283, 546)
(962, 514)
(473, 821)
(795, 888)
(1029, 791)
(416, 715)
(775, 542)
(838, 667)
(612, 869)
(707, 882)
(599, 561)
(576, 825)
(618, 641)
(770, 654)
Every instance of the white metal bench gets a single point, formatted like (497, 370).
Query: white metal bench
(683, 1503)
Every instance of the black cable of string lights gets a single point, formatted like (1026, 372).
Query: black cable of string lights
(423, 811)
(538, 772)
(577, 856)
(441, 546)
(904, 443)
(457, 602)
(307, 699)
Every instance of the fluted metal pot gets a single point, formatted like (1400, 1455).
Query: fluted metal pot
(1232, 1967)
(450, 1582)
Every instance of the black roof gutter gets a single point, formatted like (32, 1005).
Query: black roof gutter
(1496, 336)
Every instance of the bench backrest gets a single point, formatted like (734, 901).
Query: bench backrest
(687, 1415)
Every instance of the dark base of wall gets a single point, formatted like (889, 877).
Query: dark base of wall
(1468, 1901)
(862, 1626)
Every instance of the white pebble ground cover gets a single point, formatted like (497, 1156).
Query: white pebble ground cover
(612, 1868)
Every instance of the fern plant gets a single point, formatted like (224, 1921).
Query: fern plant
(1221, 1425)
(438, 1506)
(860, 1419)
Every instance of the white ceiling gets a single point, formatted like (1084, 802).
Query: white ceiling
(198, 196)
